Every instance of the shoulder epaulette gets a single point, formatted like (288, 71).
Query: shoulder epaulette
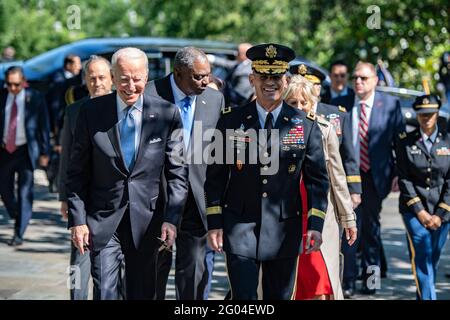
(402, 135)
(311, 116)
(342, 109)
(226, 110)
(322, 121)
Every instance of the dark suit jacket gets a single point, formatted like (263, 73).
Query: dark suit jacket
(68, 130)
(207, 112)
(99, 185)
(260, 213)
(36, 123)
(326, 95)
(385, 125)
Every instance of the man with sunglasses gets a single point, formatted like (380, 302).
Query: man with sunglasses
(377, 122)
(339, 80)
(187, 88)
(24, 126)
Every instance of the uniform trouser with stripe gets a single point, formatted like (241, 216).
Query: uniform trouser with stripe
(278, 280)
(425, 248)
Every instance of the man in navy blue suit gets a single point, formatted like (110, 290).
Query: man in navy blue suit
(24, 127)
(376, 123)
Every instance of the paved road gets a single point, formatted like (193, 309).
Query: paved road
(38, 269)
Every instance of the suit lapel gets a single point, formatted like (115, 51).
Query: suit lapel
(3, 97)
(149, 119)
(251, 119)
(112, 121)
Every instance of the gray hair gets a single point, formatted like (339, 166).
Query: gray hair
(129, 53)
(186, 57)
(94, 58)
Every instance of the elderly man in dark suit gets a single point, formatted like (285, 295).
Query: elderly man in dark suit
(24, 127)
(123, 143)
(200, 108)
(97, 75)
(376, 123)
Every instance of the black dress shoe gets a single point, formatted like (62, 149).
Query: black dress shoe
(15, 241)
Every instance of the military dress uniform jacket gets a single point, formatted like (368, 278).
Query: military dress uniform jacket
(259, 213)
(340, 119)
(424, 177)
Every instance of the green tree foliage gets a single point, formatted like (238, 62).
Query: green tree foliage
(411, 35)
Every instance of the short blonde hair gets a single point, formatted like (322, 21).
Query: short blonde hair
(306, 87)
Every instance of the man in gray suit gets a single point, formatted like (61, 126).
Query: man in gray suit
(123, 143)
(97, 76)
(200, 108)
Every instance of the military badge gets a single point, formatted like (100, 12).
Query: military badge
(296, 120)
(335, 120)
(302, 69)
(426, 101)
(291, 168)
(295, 137)
(271, 52)
(443, 151)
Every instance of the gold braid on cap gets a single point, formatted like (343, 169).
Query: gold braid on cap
(312, 78)
(263, 66)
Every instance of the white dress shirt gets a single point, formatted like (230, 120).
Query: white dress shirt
(262, 114)
(21, 138)
(137, 117)
(356, 111)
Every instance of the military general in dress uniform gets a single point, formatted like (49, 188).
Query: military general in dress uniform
(252, 210)
(424, 181)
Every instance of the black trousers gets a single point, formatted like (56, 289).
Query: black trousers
(140, 266)
(190, 268)
(369, 239)
(278, 278)
(19, 207)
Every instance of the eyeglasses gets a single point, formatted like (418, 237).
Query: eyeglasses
(355, 78)
(13, 84)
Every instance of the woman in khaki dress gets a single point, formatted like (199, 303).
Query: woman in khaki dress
(319, 272)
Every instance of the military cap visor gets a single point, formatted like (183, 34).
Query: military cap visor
(427, 104)
(310, 73)
(270, 58)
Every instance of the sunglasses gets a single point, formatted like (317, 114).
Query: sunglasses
(13, 84)
(360, 77)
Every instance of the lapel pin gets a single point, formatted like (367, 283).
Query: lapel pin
(249, 116)
(203, 101)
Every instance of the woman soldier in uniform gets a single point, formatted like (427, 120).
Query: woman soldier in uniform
(318, 272)
(423, 160)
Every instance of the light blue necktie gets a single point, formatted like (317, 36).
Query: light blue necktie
(186, 117)
(127, 136)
